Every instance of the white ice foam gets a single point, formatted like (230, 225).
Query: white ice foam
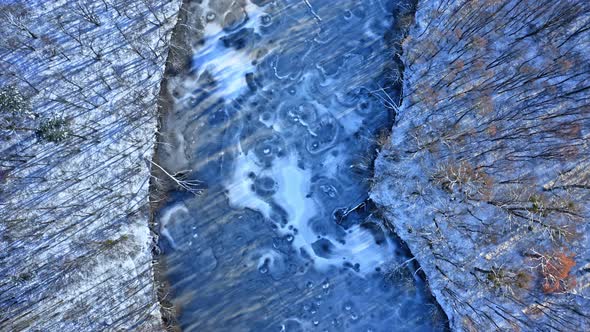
(349, 119)
(361, 248)
(239, 187)
(227, 65)
(294, 184)
(169, 218)
(269, 256)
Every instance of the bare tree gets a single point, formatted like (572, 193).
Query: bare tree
(17, 17)
(87, 11)
(180, 180)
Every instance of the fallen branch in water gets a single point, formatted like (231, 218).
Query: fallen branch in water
(192, 186)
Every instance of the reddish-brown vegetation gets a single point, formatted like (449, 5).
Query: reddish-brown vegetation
(556, 269)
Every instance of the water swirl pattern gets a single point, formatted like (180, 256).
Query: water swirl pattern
(278, 116)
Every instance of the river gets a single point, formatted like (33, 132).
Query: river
(279, 115)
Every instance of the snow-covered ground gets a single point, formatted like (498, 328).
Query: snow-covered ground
(486, 175)
(75, 246)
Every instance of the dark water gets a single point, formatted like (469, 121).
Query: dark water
(278, 117)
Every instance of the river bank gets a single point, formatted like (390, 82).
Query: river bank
(485, 176)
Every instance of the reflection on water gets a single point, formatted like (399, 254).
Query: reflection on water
(278, 115)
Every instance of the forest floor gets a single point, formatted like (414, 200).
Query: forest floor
(486, 176)
(79, 85)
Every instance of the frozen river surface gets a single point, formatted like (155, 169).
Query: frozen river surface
(278, 115)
